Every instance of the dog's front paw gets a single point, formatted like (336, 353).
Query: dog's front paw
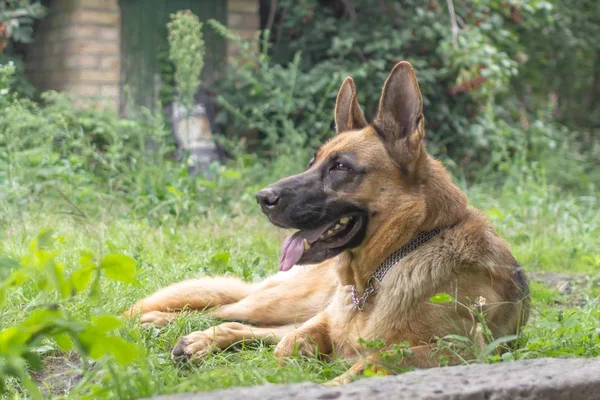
(193, 347)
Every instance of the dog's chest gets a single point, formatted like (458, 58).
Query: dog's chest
(387, 311)
(378, 319)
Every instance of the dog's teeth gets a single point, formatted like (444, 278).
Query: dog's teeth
(344, 220)
(306, 245)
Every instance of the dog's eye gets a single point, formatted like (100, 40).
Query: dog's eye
(341, 167)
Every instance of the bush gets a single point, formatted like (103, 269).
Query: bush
(92, 161)
(469, 73)
(289, 109)
(186, 52)
(16, 28)
(50, 327)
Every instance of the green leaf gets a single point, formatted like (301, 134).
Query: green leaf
(9, 338)
(458, 338)
(45, 239)
(119, 267)
(442, 298)
(99, 346)
(489, 349)
(81, 278)
(56, 275)
(33, 360)
(8, 263)
(63, 341)
(86, 259)
(220, 260)
(124, 352)
(106, 323)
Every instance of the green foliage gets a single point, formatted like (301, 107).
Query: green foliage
(17, 18)
(7, 72)
(111, 185)
(560, 333)
(186, 51)
(52, 324)
(290, 110)
(94, 159)
(441, 298)
(478, 80)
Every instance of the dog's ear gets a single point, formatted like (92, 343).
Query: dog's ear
(399, 120)
(348, 115)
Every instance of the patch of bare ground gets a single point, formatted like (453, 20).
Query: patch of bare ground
(573, 287)
(59, 374)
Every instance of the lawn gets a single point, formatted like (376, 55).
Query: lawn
(554, 234)
(97, 210)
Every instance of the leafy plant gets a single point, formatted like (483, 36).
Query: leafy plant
(186, 51)
(287, 108)
(481, 343)
(17, 18)
(52, 324)
(283, 88)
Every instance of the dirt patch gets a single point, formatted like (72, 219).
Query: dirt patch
(59, 374)
(564, 283)
(572, 287)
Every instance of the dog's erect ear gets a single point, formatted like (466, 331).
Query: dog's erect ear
(348, 115)
(400, 114)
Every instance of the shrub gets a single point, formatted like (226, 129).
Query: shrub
(16, 27)
(468, 62)
(186, 52)
(50, 326)
(289, 109)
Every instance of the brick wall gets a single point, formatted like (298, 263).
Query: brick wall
(76, 49)
(243, 19)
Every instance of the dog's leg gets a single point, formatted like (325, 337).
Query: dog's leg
(283, 304)
(282, 299)
(194, 294)
(425, 356)
(312, 339)
(158, 318)
(198, 344)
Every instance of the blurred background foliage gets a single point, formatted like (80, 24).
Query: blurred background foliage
(497, 76)
(512, 108)
(511, 89)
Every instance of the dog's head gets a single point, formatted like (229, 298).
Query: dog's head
(364, 179)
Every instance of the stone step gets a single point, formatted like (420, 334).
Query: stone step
(540, 379)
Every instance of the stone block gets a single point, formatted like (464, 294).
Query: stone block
(244, 6)
(109, 63)
(541, 379)
(82, 62)
(89, 76)
(95, 17)
(94, 47)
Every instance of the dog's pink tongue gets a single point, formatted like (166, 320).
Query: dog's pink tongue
(293, 247)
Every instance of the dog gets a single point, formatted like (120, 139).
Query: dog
(381, 229)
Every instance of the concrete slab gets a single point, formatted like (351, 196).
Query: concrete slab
(541, 379)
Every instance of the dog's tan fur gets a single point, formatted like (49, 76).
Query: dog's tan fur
(406, 192)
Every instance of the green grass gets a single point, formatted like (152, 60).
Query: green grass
(549, 230)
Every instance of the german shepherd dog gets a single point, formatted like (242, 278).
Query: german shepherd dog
(381, 229)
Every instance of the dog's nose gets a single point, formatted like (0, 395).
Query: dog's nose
(267, 198)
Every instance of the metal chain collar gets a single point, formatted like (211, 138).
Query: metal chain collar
(389, 262)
